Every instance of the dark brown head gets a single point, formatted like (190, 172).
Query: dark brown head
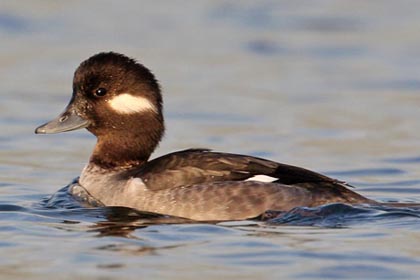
(119, 101)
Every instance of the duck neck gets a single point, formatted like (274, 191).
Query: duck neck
(124, 151)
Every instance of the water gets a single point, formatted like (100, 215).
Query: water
(329, 85)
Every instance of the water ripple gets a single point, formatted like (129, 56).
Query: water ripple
(343, 215)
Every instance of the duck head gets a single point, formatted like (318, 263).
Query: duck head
(119, 101)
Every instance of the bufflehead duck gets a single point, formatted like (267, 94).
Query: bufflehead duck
(119, 101)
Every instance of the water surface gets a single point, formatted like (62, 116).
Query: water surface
(329, 85)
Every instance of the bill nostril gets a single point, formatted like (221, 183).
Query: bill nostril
(63, 118)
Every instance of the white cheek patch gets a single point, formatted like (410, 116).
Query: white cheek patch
(126, 103)
(262, 178)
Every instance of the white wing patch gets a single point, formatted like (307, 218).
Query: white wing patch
(262, 178)
(126, 103)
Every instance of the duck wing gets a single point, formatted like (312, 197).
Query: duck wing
(198, 166)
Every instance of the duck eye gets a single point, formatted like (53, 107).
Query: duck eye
(100, 92)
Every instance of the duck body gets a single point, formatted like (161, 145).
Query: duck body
(119, 101)
(204, 185)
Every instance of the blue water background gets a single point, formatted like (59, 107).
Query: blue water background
(329, 85)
